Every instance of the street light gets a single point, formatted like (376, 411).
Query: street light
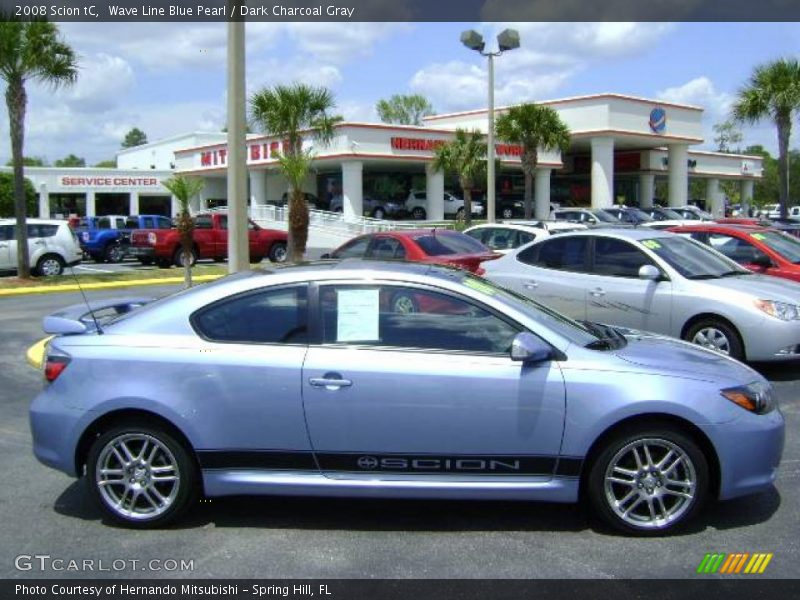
(508, 39)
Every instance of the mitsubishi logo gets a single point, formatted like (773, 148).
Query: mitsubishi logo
(367, 462)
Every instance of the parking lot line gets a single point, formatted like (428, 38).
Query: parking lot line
(93, 269)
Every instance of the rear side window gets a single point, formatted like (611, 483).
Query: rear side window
(6, 233)
(203, 222)
(133, 223)
(443, 244)
(42, 231)
(103, 223)
(561, 253)
(386, 248)
(268, 317)
(353, 249)
(163, 223)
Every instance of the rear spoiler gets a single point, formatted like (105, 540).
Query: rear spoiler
(80, 318)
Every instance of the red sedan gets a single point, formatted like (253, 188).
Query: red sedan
(440, 246)
(759, 249)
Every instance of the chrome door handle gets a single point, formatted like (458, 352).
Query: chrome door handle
(597, 292)
(530, 285)
(330, 381)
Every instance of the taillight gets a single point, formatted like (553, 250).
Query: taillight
(54, 365)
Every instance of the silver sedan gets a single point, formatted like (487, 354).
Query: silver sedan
(660, 282)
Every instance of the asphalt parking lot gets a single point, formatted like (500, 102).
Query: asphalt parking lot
(46, 513)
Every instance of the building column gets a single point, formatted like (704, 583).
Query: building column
(602, 172)
(715, 201)
(542, 194)
(258, 188)
(434, 190)
(747, 196)
(678, 175)
(44, 202)
(133, 204)
(647, 189)
(90, 205)
(352, 189)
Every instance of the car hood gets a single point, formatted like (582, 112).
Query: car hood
(673, 356)
(763, 287)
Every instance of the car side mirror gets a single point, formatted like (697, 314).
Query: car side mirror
(528, 348)
(649, 272)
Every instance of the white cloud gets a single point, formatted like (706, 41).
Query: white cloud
(103, 81)
(338, 42)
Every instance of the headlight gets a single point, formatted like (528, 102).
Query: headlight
(779, 310)
(755, 397)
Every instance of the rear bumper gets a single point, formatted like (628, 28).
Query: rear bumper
(141, 252)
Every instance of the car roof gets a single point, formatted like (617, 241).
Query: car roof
(634, 233)
(722, 227)
(36, 221)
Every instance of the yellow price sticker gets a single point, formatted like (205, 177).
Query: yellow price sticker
(480, 286)
(652, 244)
(758, 236)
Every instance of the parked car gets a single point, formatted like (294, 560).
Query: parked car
(641, 218)
(436, 246)
(417, 205)
(588, 216)
(312, 200)
(661, 214)
(377, 209)
(661, 282)
(692, 213)
(306, 381)
(210, 236)
(107, 238)
(758, 249)
(504, 237)
(52, 245)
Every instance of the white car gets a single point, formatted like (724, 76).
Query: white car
(693, 213)
(52, 245)
(417, 205)
(505, 237)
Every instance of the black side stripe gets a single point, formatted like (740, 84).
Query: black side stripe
(268, 460)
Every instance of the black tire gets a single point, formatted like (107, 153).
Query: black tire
(404, 304)
(50, 265)
(254, 260)
(177, 258)
(507, 213)
(163, 263)
(460, 214)
(379, 213)
(98, 258)
(419, 213)
(278, 253)
(146, 261)
(219, 259)
(648, 487)
(718, 335)
(114, 253)
(164, 501)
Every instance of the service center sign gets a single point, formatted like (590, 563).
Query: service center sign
(101, 182)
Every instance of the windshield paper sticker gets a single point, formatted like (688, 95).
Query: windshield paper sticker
(358, 315)
(479, 286)
(758, 236)
(652, 244)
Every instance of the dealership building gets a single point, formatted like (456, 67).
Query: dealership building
(623, 149)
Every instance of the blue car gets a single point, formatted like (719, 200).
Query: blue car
(371, 379)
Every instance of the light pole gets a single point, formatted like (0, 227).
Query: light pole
(508, 39)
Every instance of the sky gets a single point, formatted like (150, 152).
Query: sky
(169, 78)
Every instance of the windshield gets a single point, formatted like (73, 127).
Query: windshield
(639, 215)
(560, 324)
(441, 244)
(787, 246)
(666, 214)
(604, 216)
(692, 259)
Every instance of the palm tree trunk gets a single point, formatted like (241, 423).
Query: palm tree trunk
(466, 185)
(16, 100)
(185, 226)
(529, 160)
(784, 123)
(298, 226)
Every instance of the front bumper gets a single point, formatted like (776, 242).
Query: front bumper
(770, 339)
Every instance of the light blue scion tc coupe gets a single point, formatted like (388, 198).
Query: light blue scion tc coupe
(371, 379)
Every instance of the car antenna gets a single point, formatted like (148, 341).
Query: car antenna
(89, 306)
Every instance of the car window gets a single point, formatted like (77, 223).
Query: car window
(133, 223)
(692, 259)
(783, 244)
(443, 243)
(734, 248)
(7, 233)
(386, 248)
(164, 223)
(478, 234)
(617, 258)
(562, 253)
(353, 249)
(203, 222)
(500, 239)
(406, 317)
(103, 223)
(120, 222)
(266, 317)
(223, 222)
(40, 230)
(522, 238)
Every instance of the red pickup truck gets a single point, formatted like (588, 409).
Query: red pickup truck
(210, 236)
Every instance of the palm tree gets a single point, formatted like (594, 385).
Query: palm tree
(289, 112)
(773, 91)
(184, 189)
(536, 128)
(29, 50)
(465, 155)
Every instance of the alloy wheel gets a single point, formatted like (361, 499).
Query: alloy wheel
(712, 338)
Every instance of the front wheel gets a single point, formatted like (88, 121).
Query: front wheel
(418, 213)
(179, 256)
(716, 335)
(50, 265)
(507, 213)
(141, 475)
(649, 480)
(114, 253)
(278, 252)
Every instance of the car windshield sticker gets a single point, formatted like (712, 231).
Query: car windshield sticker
(479, 286)
(652, 244)
(358, 315)
(758, 236)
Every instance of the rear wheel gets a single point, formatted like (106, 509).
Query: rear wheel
(163, 263)
(178, 257)
(716, 335)
(141, 475)
(50, 265)
(278, 252)
(146, 261)
(648, 480)
(460, 214)
(507, 213)
(418, 213)
(114, 253)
